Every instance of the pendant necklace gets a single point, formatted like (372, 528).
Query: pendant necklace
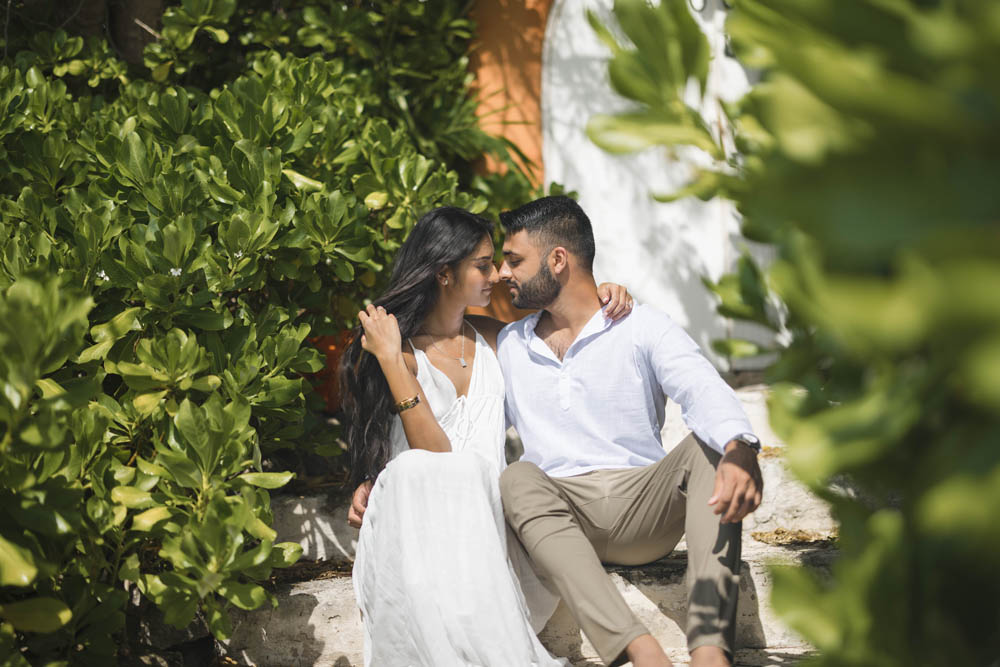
(460, 359)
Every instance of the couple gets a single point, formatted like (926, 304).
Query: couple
(441, 576)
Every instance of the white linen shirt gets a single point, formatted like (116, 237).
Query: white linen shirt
(602, 406)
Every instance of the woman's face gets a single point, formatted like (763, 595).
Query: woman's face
(476, 275)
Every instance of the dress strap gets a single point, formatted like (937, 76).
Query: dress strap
(471, 327)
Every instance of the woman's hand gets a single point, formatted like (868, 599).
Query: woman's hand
(381, 337)
(616, 299)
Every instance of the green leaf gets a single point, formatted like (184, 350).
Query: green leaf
(191, 422)
(162, 71)
(40, 614)
(267, 480)
(206, 383)
(181, 469)
(17, 566)
(376, 201)
(630, 132)
(146, 404)
(285, 554)
(261, 530)
(244, 596)
(738, 348)
(131, 497)
(145, 521)
(134, 159)
(302, 182)
(50, 388)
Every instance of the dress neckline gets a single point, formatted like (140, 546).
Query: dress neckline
(434, 369)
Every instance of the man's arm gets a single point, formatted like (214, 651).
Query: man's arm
(359, 503)
(710, 409)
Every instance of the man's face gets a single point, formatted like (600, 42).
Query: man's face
(525, 270)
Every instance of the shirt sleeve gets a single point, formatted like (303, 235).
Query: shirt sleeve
(709, 406)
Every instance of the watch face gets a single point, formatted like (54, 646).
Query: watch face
(751, 440)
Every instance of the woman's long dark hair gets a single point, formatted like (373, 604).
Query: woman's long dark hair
(441, 238)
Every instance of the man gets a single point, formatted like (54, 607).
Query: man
(594, 485)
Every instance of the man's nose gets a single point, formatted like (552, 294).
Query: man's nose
(505, 273)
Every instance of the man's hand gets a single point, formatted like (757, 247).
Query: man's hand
(359, 503)
(738, 483)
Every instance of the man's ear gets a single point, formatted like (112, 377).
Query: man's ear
(558, 260)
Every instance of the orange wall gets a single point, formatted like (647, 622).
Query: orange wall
(507, 62)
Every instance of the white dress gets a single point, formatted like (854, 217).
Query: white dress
(438, 579)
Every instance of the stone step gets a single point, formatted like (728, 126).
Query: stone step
(317, 623)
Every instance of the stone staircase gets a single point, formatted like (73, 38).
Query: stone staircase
(317, 622)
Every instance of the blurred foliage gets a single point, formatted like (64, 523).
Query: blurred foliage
(868, 155)
(171, 236)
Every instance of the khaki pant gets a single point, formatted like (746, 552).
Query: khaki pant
(629, 516)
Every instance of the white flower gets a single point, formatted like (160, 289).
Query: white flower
(102, 275)
(327, 260)
(175, 272)
(238, 254)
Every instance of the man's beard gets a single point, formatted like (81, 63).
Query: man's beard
(538, 291)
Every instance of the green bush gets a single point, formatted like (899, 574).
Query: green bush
(868, 155)
(170, 237)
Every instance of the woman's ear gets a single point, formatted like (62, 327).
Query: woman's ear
(445, 277)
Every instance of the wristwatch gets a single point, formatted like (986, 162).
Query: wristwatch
(750, 440)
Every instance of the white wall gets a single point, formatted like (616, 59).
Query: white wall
(660, 251)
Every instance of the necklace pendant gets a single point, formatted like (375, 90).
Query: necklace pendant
(461, 360)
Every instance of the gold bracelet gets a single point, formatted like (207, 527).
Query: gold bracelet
(407, 403)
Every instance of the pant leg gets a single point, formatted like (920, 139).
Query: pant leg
(666, 496)
(554, 531)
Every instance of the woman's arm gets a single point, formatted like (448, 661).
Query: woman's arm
(382, 339)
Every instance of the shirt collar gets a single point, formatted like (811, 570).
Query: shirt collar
(595, 325)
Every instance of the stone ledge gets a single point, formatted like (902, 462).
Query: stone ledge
(317, 622)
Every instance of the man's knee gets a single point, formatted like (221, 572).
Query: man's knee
(520, 483)
(516, 476)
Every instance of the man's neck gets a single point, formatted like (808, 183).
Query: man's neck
(575, 306)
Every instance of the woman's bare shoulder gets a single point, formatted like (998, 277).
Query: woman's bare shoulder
(488, 327)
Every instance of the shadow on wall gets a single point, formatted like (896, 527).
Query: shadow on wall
(660, 251)
(318, 524)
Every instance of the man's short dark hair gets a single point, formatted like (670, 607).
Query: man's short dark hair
(555, 221)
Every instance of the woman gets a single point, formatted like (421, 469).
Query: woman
(436, 578)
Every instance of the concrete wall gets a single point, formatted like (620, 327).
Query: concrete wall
(660, 251)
